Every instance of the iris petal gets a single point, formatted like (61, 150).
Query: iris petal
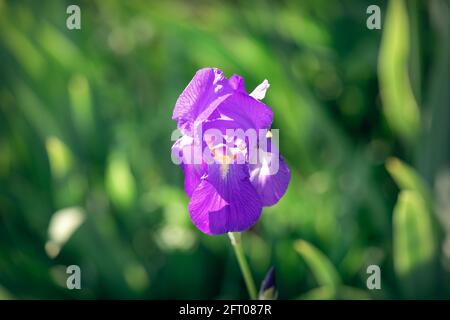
(225, 202)
(260, 91)
(270, 181)
(191, 162)
(192, 177)
(237, 83)
(198, 98)
(246, 111)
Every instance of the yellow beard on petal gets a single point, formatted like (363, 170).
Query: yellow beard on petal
(224, 162)
(224, 169)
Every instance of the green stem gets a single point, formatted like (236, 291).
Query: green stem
(235, 238)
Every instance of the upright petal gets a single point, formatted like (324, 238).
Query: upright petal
(246, 111)
(206, 86)
(237, 83)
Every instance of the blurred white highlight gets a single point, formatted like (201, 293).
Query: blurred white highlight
(62, 225)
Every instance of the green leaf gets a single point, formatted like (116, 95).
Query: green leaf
(351, 293)
(120, 182)
(328, 293)
(5, 294)
(414, 246)
(60, 156)
(320, 293)
(322, 268)
(399, 105)
(406, 177)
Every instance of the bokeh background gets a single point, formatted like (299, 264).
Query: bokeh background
(85, 126)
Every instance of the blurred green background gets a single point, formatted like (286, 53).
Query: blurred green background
(85, 126)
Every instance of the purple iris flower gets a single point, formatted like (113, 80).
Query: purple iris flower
(228, 177)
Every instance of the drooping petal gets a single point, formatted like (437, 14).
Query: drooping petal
(189, 155)
(227, 178)
(192, 177)
(269, 178)
(225, 201)
(260, 91)
(179, 146)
